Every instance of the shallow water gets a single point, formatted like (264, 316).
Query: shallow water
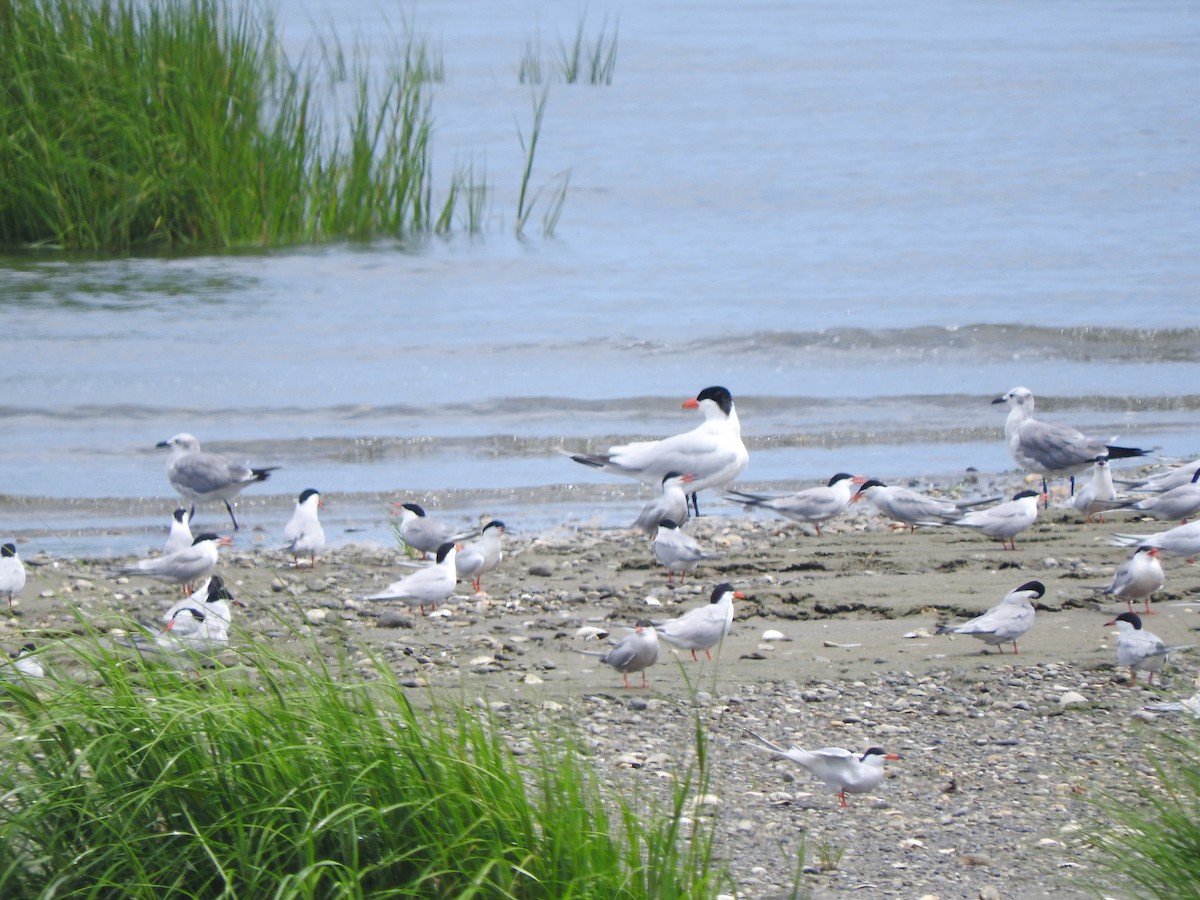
(867, 221)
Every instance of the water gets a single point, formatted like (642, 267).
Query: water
(866, 220)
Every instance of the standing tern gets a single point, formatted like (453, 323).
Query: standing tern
(1004, 520)
(812, 505)
(12, 572)
(842, 771)
(480, 555)
(713, 451)
(1007, 621)
(703, 627)
(184, 567)
(427, 586)
(1182, 540)
(1099, 495)
(1049, 449)
(671, 504)
(180, 535)
(635, 652)
(303, 534)
(909, 507)
(1138, 648)
(206, 477)
(423, 533)
(1138, 578)
(677, 551)
(1181, 502)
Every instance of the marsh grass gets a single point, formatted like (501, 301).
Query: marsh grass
(580, 61)
(286, 777)
(555, 190)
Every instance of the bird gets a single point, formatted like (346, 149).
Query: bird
(427, 586)
(1182, 540)
(1138, 648)
(703, 627)
(180, 535)
(303, 534)
(207, 477)
(212, 598)
(1165, 479)
(812, 505)
(677, 550)
(1049, 449)
(12, 572)
(713, 451)
(842, 771)
(635, 652)
(1180, 502)
(184, 567)
(423, 533)
(191, 637)
(1006, 621)
(1004, 520)
(481, 554)
(24, 663)
(909, 507)
(1099, 495)
(671, 504)
(1138, 578)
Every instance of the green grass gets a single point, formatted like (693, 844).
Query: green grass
(281, 778)
(581, 61)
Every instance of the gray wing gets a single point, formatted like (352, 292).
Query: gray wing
(207, 472)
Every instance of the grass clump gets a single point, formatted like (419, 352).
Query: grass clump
(283, 779)
(581, 61)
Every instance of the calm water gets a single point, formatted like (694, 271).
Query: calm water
(866, 220)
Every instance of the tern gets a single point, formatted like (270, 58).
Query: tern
(1138, 648)
(1165, 479)
(428, 586)
(207, 477)
(1004, 520)
(12, 572)
(677, 551)
(842, 771)
(423, 533)
(713, 452)
(635, 652)
(671, 504)
(1138, 578)
(480, 555)
(1004, 622)
(909, 507)
(212, 598)
(703, 627)
(812, 505)
(24, 663)
(184, 567)
(1049, 449)
(181, 531)
(1181, 502)
(303, 534)
(1182, 540)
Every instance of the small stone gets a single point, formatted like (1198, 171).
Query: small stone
(316, 616)
(1072, 698)
(772, 635)
(393, 619)
(541, 570)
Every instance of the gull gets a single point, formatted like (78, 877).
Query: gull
(842, 771)
(303, 534)
(713, 451)
(428, 586)
(1099, 494)
(1182, 540)
(703, 627)
(677, 551)
(424, 534)
(1180, 502)
(1006, 621)
(12, 571)
(184, 567)
(1049, 449)
(1165, 479)
(813, 505)
(671, 504)
(635, 652)
(480, 555)
(212, 598)
(909, 507)
(1138, 578)
(1004, 520)
(181, 531)
(204, 477)
(1140, 649)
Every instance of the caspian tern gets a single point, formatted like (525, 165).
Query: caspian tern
(842, 771)
(428, 586)
(1049, 449)
(424, 533)
(635, 652)
(12, 571)
(1004, 520)
(703, 627)
(303, 534)
(1138, 648)
(713, 451)
(671, 504)
(812, 505)
(1181, 502)
(181, 531)
(1182, 540)
(184, 567)
(677, 551)
(1099, 495)
(480, 555)
(1138, 578)
(207, 477)
(1007, 621)
(909, 507)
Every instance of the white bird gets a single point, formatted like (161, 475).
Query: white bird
(423, 533)
(184, 567)
(703, 627)
(635, 652)
(1138, 648)
(1138, 577)
(1004, 520)
(677, 551)
(207, 477)
(1099, 495)
(1182, 540)
(1165, 479)
(427, 586)
(909, 507)
(812, 505)
(480, 555)
(713, 451)
(671, 504)
(842, 771)
(1007, 621)
(303, 534)
(180, 535)
(191, 637)
(1049, 449)
(24, 663)
(212, 598)
(1181, 502)
(12, 572)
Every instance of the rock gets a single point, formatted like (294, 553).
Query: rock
(392, 619)
(1072, 698)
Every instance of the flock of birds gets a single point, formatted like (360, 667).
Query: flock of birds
(708, 457)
